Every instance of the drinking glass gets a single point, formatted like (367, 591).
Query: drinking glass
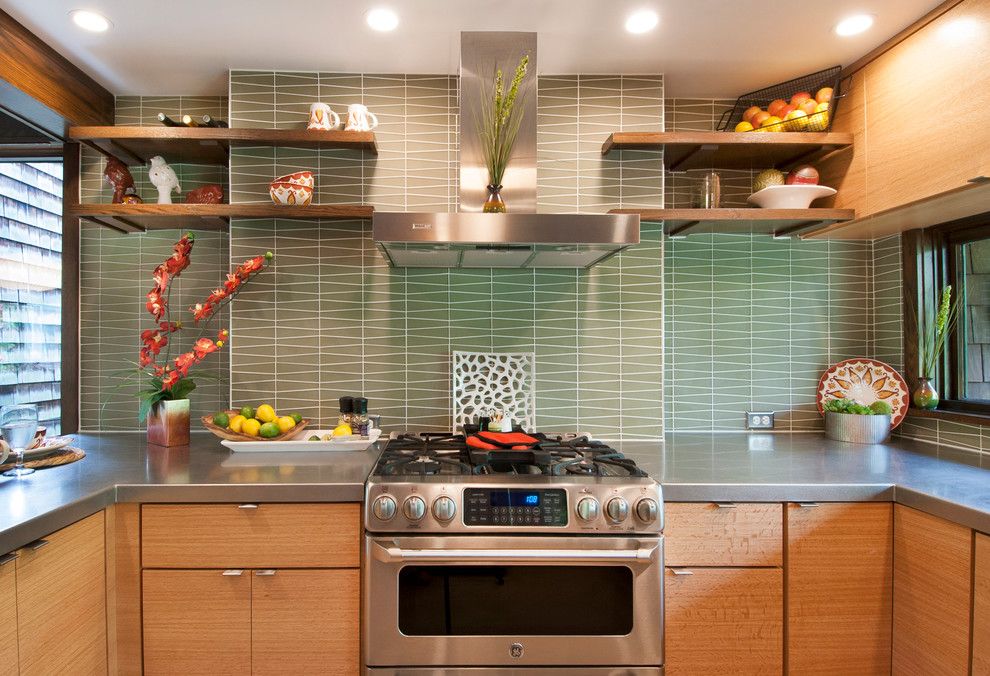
(18, 425)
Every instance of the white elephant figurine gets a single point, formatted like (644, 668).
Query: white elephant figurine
(163, 177)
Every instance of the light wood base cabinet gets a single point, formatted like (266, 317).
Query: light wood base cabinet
(932, 586)
(723, 621)
(839, 566)
(981, 607)
(8, 615)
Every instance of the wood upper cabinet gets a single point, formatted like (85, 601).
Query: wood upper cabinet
(197, 622)
(839, 564)
(981, 607)
(723, 621)
(723, 534)
(932, 586)
(305, 622)
(8, 614)
(61, 602)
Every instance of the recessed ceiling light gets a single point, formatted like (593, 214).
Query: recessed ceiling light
(90, 21)
(854, 25)
(382, 19)
(642, 21)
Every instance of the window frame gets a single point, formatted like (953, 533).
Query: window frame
(930, 263)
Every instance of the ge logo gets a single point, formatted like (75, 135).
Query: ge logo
(516, 649)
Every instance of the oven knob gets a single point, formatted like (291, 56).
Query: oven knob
(414, 508)
(617, 509)
(587, 509)
(646, 510)
(444, 508)
(384, 508)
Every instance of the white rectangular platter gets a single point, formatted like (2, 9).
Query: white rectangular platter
(353, 443)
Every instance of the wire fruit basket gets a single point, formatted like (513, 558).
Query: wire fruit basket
(819, 120)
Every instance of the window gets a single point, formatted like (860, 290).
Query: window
(31, 287)
(970, 349)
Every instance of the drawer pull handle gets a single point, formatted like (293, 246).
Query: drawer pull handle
(247, 505)
(268, 572)
(807, 504)
(233, 572)
(681, 571)
(37, 544)
(725, 505)
(7, 558)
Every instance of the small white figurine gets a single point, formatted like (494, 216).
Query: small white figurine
(163, 177)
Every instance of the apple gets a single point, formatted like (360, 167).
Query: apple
(818, 120)
(799, 98)
(824, 95)
(757, 120)
(775, 106)
(782, 113)
(750, 112)
(807, 106)
(796, 120)
(772, 123)
(802, 175)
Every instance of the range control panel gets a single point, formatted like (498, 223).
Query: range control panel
(515, 507)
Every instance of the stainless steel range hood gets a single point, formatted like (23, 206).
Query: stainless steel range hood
(522, 238)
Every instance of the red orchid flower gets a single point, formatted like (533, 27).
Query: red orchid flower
(156, 304)
(145, 358)
(170, 379)
(232, 283)
(184, 361)
(203, 347)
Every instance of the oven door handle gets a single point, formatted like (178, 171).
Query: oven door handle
(395, 554)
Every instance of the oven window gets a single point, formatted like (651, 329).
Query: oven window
(515, 600)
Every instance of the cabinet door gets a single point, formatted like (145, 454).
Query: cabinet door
(723, 621)
(932, 587)
(723, 534)
(8, 614)
(197, 622)
(305, 622)
(981, 607)
(839, 566)
(61, 602)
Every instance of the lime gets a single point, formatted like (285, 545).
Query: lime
(315, 437)
(251, 427)
(247, 412)
(269, 430)
(221, 419)
(297, 417)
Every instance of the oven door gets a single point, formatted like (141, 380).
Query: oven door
(513, 601)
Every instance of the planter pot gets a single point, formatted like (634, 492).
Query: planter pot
(857, 429)
(168, 423)
(925, 396)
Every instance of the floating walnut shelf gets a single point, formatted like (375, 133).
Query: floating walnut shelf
(209, 145)
(777, 222)
(142, 217)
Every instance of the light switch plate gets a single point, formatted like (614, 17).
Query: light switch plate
(759, 420)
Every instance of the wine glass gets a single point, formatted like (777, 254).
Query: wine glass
(18, 425)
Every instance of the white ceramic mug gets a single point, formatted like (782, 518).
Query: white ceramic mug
(359, 118)
(322, 118)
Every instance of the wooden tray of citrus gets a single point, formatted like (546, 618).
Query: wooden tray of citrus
(255, 424)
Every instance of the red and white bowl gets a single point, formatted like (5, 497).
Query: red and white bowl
(298, 178)
(291, 194)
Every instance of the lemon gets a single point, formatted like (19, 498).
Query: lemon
(236, 422)
(285, 423)
(251, 427)
(342, 430)
(265, 413)
(269, 430)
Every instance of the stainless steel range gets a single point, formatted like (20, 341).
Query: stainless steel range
(510, 554)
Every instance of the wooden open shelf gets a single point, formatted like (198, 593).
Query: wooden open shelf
(777, 222)
(968, 200)
(142, 217)
(208, 145)
(731, 150)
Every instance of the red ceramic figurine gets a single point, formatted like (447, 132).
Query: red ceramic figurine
(119, 176)
(207, 194)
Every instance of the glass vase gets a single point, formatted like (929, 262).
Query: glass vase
(494, 204)
(168, 423)
(925, 395)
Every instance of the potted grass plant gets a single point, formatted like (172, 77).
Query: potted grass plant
(933, 332)
(498, 126)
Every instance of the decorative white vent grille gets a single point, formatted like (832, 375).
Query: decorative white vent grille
(501, 381)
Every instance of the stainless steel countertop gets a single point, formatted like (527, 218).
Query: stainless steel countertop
(693, 467)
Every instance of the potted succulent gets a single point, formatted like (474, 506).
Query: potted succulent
(848, 420)
(165, 396)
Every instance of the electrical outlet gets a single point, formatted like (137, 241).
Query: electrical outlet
(759, 420)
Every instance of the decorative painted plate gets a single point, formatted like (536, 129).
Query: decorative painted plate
(865, 381)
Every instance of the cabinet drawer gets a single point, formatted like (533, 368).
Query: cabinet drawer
(723, 534)
(272, 535)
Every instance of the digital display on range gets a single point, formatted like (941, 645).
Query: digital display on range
(512, 498)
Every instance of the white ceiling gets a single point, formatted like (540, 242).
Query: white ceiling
(705, 47)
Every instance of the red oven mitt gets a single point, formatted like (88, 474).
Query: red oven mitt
(509, 440)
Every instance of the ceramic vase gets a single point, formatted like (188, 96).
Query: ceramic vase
(168, 423)
(925, 395)
(494, 204)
